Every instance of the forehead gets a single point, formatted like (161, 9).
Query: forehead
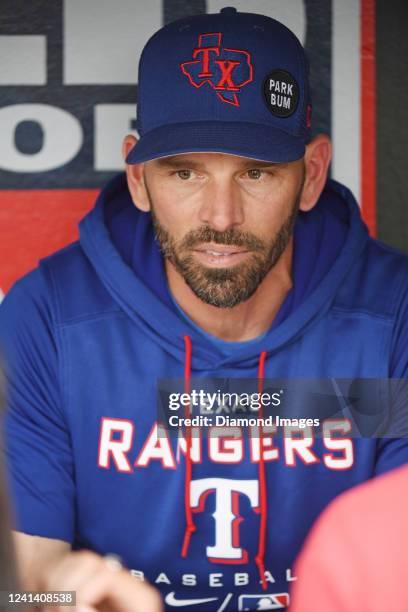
(210, 160)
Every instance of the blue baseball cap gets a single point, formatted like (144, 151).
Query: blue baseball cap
(228, 82)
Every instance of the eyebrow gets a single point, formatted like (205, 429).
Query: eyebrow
(176, 162)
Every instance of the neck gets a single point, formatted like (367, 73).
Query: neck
(246, 320)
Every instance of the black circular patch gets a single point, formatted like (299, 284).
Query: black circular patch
(281, 93)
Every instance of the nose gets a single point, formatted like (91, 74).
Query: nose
(222, 206)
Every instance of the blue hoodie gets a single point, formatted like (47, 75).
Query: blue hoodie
(87, 335)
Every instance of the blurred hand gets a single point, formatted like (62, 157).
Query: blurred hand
(100, 585)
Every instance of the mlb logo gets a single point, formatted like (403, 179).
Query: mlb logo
(266, 601)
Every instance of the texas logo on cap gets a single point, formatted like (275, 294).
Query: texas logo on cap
(225, 70)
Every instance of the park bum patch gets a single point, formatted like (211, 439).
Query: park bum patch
(281, 93)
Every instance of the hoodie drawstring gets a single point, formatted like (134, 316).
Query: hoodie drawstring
(263, 507)
(263, 503)
(190, 526)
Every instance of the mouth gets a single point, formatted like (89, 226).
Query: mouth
(220, 255)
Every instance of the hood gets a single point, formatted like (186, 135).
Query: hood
(119, 241)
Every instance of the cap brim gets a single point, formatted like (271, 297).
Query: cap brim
(261, 142)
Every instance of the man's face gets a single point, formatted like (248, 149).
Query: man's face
(223, 221)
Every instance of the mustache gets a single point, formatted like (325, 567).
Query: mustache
(230, 237)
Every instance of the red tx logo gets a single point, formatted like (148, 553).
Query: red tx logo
(225, 70)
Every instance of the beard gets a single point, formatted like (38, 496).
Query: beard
(229, 286)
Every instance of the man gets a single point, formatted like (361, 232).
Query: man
(261, 268)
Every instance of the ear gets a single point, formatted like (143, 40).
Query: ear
(317, 160)
(135, 176)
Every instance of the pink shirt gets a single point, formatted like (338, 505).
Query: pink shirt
(356, 559)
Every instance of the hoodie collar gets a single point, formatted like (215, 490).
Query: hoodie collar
(119, 242)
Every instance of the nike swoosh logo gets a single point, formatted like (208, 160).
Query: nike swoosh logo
(171, 600)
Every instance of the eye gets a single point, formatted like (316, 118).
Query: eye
(254, 174)
(184, 174)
